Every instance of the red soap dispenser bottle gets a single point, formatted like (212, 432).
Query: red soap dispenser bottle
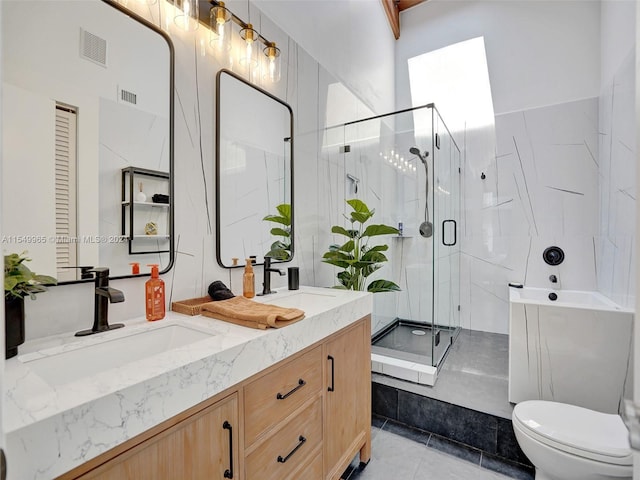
(154, 295)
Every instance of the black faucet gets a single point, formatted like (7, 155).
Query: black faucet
(104, 295)
(266, 282)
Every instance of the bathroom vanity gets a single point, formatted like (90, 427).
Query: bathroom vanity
(219, 400)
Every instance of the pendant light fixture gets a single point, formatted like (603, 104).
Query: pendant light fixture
(186, 14)
(220, 23)
(273, 68)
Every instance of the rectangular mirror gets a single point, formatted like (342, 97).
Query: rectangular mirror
(87, 104)
(254, 173)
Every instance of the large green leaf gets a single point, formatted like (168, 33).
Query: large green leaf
(382, 286)
(285, 210)
(348, 247)
(374, 230)
(359, 206)
(360, 217)
(369, 269)
(343, 231)
(279, 232)
(338, 259)
(374, 256)
(376, 248)
(45, 279)
(346, 279)
(277, 219)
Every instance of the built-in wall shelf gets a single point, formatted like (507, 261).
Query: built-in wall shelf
(140, 216)
(148, 204)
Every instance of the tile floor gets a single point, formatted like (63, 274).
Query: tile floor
(474, 374)
(395, 456)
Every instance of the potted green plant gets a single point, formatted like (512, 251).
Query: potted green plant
(19, 282)
(356, 256)
(281, 249)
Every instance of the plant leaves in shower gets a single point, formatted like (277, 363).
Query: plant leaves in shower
(356, 257)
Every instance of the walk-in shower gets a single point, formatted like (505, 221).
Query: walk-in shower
(413, 328)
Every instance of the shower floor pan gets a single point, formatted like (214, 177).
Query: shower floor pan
(403, 350)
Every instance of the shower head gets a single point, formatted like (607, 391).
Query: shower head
(416, 151)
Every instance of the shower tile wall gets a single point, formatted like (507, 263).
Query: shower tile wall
(541, 189)
(561, 175)
(615, 247)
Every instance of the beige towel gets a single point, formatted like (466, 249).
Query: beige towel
(245, 312)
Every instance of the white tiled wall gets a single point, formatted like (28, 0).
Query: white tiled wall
(615, 246)
(311, 92)
(540, 189)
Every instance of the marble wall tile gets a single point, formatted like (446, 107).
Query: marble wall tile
(615, 247)
(540, 189)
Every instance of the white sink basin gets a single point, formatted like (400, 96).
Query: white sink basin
(301, 300)
(85, 360)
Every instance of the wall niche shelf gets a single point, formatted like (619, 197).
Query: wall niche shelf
(137, 215)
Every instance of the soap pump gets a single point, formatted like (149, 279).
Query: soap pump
(248, 280)
(154, 295)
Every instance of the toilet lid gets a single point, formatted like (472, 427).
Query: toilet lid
(575, 429)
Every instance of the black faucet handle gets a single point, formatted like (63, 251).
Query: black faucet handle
(85, 271)
(101, 272)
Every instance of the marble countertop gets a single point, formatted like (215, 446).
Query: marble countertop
(51, 429)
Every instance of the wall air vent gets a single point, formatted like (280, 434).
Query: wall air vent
(93, 48)
(128, 97)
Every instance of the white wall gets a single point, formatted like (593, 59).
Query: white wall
(543, 59)
(349, 38)
(538, 52)
(616, 253)
(305, 85)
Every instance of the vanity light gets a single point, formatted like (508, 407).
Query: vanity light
(273, 58)
(269, 67)
(186, 16)
(249, 54)
(220, 23)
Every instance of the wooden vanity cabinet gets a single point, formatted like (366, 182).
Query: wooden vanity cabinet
(204, 445)
(347, 398)
(304, 418)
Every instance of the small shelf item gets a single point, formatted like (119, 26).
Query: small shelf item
(144, 220)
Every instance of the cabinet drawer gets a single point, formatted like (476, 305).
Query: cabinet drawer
(288, 447)
(274, 396)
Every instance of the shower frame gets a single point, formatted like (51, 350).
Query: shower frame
(444, 166)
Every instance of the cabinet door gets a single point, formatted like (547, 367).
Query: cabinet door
(194, 449)
(348, 398)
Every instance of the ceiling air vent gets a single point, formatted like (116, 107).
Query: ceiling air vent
(93, 48)
(128, 97)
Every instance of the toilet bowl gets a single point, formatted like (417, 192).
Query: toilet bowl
(566, 442)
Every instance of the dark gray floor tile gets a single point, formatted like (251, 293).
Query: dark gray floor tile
(407, 432)
(463, 425)
(456, 449)
(512, 470)
(384, 401)
(508, 444)
(377, 422)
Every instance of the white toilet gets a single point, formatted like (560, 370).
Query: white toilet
(566, 442)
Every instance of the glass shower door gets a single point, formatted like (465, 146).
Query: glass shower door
(446, 241)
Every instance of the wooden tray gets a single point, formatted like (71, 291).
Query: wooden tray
(190, 306)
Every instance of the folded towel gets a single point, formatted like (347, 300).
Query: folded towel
(245, 312)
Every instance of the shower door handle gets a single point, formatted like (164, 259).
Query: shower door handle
(455, 233)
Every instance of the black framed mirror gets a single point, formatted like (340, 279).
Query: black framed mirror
(254, 173)
(88, 105)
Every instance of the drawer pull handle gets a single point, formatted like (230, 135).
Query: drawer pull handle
(332, 387)
(301, 440)
(228, 473)
(301, 383)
